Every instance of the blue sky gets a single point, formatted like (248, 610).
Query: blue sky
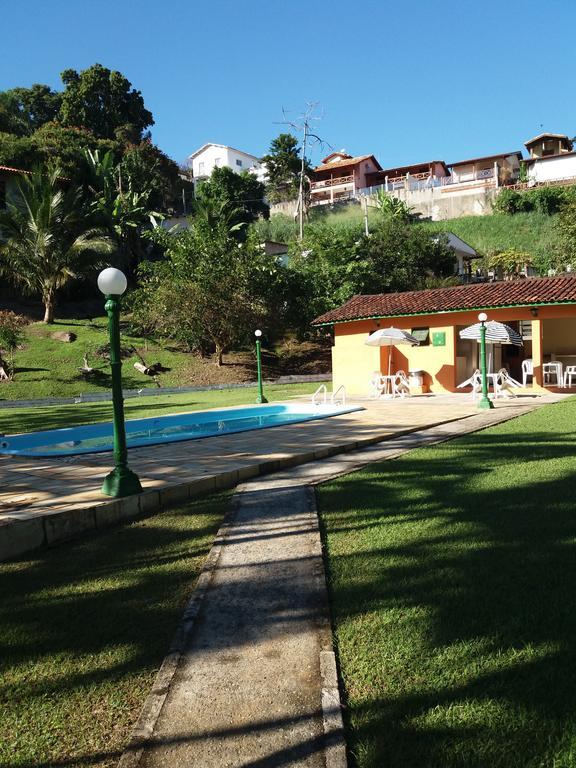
(408, 81)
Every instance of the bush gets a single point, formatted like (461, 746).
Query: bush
(508, 201)
(546, 200)
(11, 334)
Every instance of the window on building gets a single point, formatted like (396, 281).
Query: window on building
(239, 163)
(217, 161)
(200, 168)
(422, 334)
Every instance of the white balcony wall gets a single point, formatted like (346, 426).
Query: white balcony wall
(553, 168)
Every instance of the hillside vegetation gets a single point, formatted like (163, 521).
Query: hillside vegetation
(46, 367)
(533, 232)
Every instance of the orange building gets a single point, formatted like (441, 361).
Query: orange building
(542, 309)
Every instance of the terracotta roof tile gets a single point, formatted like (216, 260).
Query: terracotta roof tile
(344, 163)
(532, 291)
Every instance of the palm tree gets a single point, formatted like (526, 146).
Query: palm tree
(47, 238)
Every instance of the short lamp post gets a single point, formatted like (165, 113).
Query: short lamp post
(260, 398)
(485, 402)
(121, 481)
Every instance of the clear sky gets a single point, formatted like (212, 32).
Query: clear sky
(408, 81)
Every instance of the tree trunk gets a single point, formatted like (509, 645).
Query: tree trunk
(219, 353)
(49, 306)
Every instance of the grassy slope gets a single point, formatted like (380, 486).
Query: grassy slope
(46, 367)
(531, 232)
(13, 420)
(452, 574)
(83, 630)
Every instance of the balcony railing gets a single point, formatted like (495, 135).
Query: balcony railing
(332, 182)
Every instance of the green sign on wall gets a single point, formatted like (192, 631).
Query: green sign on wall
(438, 338)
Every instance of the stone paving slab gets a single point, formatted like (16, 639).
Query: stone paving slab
(31, 489)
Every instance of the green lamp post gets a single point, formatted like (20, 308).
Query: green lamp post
(121, 481)
(485, 402)
(260, 398)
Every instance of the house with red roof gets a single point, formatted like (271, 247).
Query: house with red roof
(340, 176)
(542, 310)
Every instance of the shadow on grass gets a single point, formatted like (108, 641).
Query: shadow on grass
(84, 626)
(452, 574)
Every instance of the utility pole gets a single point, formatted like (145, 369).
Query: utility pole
(302, 125)
(301, 188)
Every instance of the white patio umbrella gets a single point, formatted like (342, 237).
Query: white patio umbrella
(496, 333)
(390, 337)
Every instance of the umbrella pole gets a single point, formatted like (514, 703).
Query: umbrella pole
(390, 360)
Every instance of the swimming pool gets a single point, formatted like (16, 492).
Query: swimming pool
(96, 438)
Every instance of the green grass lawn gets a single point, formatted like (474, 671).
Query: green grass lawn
(452, 574)
(46, 367)
(83, 630)
(14, 420)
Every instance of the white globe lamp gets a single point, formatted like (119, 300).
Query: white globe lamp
(112, 282)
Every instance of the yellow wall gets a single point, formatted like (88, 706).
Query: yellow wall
(353, 362)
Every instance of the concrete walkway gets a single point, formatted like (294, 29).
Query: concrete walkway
(253, 683)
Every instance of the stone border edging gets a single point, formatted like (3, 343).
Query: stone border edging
(44, 529)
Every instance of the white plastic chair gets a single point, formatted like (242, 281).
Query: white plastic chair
(568, 374)
(376, 384)
(504, 384)
(527, 370)
(401, 385)
(475, 381)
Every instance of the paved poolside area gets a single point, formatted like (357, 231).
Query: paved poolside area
(33, 487)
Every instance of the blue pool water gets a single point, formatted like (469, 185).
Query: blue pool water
(95, 438)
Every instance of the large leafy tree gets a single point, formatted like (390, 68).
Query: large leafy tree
(24, 110)
(48, 237)
(283, 166)
(334, 263)
(211, 291)
(239, 192)
(103, 101)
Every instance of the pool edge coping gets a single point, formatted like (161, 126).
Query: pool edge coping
(49, 528)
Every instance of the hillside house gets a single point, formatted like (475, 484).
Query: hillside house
(409, 176)
(341, 176)
(210, 156)
(492, 171)
(552, 159)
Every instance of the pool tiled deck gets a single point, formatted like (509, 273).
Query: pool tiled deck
(46, 500)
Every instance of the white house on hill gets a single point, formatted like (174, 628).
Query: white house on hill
(552, 159)
(211, 156)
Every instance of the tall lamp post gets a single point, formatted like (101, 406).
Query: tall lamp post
(485, 402)
(260, 398)
(121, 481)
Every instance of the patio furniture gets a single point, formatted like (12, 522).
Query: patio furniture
(504, 384)
(568, 374)
(527, 370)
(376, 385)
(553, 369)
(475, 381)
(390, 337)
(401, 385)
